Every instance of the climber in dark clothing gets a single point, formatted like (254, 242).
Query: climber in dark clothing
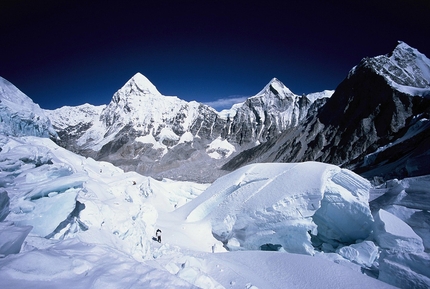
(158, 235)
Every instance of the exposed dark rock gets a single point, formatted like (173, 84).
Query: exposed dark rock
(366, 112)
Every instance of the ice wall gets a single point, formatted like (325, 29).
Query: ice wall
(4, 204)
(344, 215)
(401, 230)
(19, 115)
(11, 236)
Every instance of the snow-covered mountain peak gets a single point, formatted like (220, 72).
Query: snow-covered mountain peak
(143, 84)
(413, 62)
(137, 96)
(402, 50)
(405, 69)
(68, 116)
(276, 88)
(137, 86)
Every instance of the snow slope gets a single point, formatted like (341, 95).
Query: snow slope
(19, 115)
(93, 226)
(285, 204)
(318, 95)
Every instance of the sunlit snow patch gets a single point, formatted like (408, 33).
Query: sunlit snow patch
(394, 234)
(220, 148)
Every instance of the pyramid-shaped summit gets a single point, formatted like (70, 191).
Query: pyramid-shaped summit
(276, 87)
(139, 84)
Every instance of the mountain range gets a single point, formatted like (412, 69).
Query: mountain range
(163, 136)
(375, 123)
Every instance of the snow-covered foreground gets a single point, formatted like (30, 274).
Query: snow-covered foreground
(69, 221)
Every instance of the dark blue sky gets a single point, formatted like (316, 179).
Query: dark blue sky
(71, 52)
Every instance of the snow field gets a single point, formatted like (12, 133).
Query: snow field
(100, 223)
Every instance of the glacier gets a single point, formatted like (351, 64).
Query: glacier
(105, 226)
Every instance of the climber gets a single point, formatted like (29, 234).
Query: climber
(158, 235)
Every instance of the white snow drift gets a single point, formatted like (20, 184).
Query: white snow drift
(286, 204)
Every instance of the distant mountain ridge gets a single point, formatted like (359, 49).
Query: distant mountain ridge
(164, 136)
(376, 123)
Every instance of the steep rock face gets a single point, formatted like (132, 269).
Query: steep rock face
(405, 69)
(20, 116)
(370, 114)
(267, 114)
(163, 136)
(381, 108)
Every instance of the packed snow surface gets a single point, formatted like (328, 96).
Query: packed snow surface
(93, 226)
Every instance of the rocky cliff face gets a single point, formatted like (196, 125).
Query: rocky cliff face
(163, 136)
(376, 122)
(268, 113)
